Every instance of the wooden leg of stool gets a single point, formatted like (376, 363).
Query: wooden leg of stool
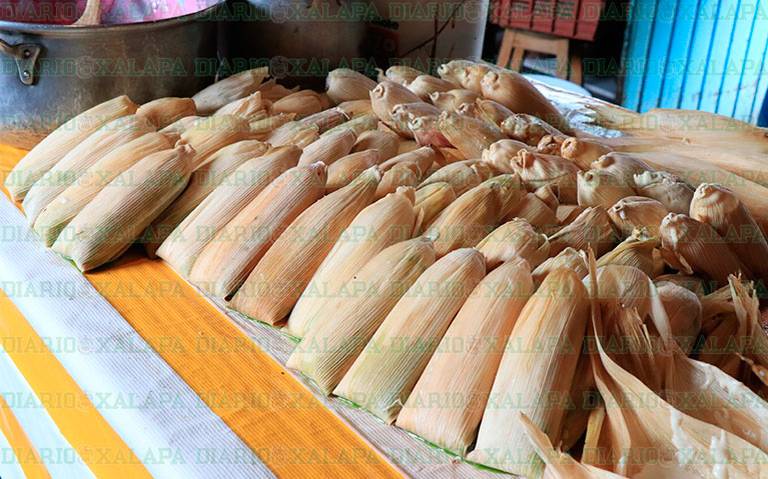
(576, 68)
(517, 59)
(561, 59)
(506, 48)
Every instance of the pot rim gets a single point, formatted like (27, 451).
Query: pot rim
(44, 28)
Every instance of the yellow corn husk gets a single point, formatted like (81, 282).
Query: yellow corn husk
(228, 258)
(302, 103)
(501, 153)
(166, 111)
(115, 217)
(637, 251)
(328, 148)
(459, 175)
(276, 283)
(469, 135)
(425, 85)
(211, 134)
(341, 329)
(518, 94)
(232, 194)
(720, 208)
(637, 212)
(388, 221)
(179, 126)
(401, 74)
(61, 141)
(423, 157)
(583, 152)
(386, 95)
(347, 168)
(55, 216)
(406, 146)
(622, 165)
(61, 175)
(550, 144)
(403, 174)
(426, 132)
(294, 133)
(357, 125)
(691, 246)
(272, 91)
(343, 84)
(261, 129)
(383, 375)
(460, 373)
(600, 188)
(532, 381)
(537, 170)
(567, 213)
(548, 196)
(326, 119)
(669, 190)
(684, 312)
(532, 209)
(252, 107)
(433, 199)
(692, 283)
(386, 142)
(569, 259)
(485, 171)
(592, 228)
(232, 88)
(466, 73)
(492, 111)
(451, 100)
(528, 129)
(356, 108)
(202, 182)
(514, 239)
(403, 114)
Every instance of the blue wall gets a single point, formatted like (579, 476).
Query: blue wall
(697, 54)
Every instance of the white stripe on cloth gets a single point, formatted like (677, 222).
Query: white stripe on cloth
(164, 422)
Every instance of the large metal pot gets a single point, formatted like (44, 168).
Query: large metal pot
(51, 72)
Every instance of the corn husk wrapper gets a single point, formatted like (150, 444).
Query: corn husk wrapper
(328, 148)
(531, 377)
(110, 223)
(425, 85)
(432, 199)
(349, 167)
(386, 142)
(691, 246)
(684, 312)
(383, 375)
(342, 329)
(426, 132)
(385, 96)
(303, 103)
(272, 91)
(462, 369)
(466, 73)
(636, 251)
(459, 175)
(234, 193)
(468, 135)
(514, 239)
(519, 95)
(547, 194)
(423, 157)
(550, 144)
(211, 134)
(622, 165)
(355, 108)
(528, 129)
(403, 114)
(452, 100)
(61, 141)
(401, 74)
(569, 259)
(357, 125)
(403, 174)
(492, 112)
(234, 251)
(567, 213)
(202, 182)
(55, 216)
(165, 111)
(262, 128)
(600, 188)
(537, 170)
(232, 88)
(276, 283)
(637, 212)
(583, 152)
(252, 107)
(501, 153)
(591, 229)
(720, 208)
(294, 133)
(343, 84)
(74, 164)
(406, 146)
(179, 126)
(669, 190)
(533, 209)
(692, 283)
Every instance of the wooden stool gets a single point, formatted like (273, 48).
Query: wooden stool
(516, 42)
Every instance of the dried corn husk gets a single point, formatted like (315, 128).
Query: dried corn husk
(492, 111)
(469, 135)
(591, 229)
(550, 144)
(272, 91)
(567, 213)
(165, 111)
(548, 196)
(294, 133)
(528, 129)
(583, 151)
(110, 223)
(622, 165)
(72, 165)
(511, 191)
(669, 190)
(382, 377)
(424, 85)
(234, 251)
(261, 129)
(329, 148)
(237, 190)
(569, 259)
(347, 168)
(252, 107)
(232, 88)
(302, 103)
(691, 246)
(514, 239)
(211, 134)
(179, 126)
(518, 94)
(357, 125)
(202, 182)
(386, 142)
(423, 157)
(459, 175)
(720, 208)
(403, 114)
(637, 212)
(533, 209)
(403, 174)
(684, 312)
(501, 153)
(61, 141)
(559, 311)
(55, 216)
(461, 372)
(386, 95)
(689, 282)
(433, 199)
(451, 100)
(426, 132)
(537, 170)
(343, 84)
(466, 73)
(275, 284)
(401, 74)
(600, 188)
(356, 108)
(637, 251)
(343, 328)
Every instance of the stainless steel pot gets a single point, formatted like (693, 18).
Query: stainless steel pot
(52, 72)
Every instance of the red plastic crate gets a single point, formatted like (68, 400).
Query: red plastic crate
(576, 19)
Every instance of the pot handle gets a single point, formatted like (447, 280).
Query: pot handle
(25, 55)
